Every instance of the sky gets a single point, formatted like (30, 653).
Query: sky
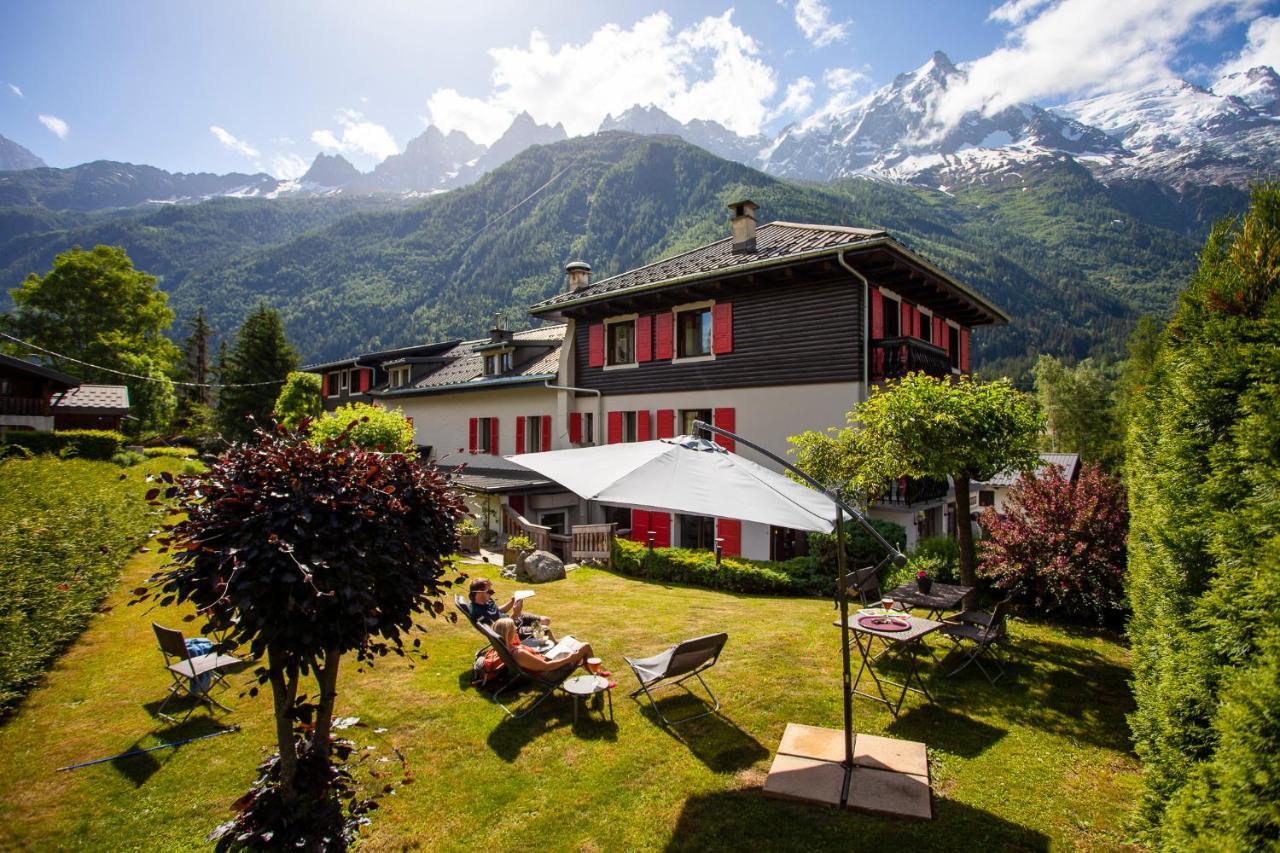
(265, 86)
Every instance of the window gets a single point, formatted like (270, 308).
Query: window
(892, 312)
(620, 342)
(484, 436)
(618, 515)
(554, 520)
(698, 532)
(588, 428)
(533, 434)
(693, 332)
(497, 363)
(926, 327)
(986, 497)
(400, 376)
(688, 416)
(6, 387)
(954, 347)
(628, 426)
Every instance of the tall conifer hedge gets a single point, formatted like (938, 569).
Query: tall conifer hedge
(1204, 550)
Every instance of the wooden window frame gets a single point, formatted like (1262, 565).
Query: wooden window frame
(890, 296)
(926, 324)
(484, 436)
(707, 305)
(608, 350)
(334, 382)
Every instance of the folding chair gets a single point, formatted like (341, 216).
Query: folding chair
(545, 682)
(680, 662)
(985, 631)
(186, 671)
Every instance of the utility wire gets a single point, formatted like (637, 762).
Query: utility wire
(53, 354)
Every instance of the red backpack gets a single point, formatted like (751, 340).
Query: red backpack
(488, 667)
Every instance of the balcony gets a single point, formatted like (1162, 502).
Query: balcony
(908, 492)
(893, 358)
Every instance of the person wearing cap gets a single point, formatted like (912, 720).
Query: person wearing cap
(486, 611)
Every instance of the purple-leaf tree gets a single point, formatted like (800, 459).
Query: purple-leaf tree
(1061, 544)
(305, 553)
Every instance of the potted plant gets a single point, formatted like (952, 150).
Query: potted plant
(468, 535)
(924, 583)
(516, 548)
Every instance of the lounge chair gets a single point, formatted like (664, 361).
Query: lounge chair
(985, 631)
(187, 671)
(680, 662)
(463, 607)
(545, 682)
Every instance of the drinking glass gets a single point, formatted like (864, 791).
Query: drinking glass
(593, 665)
(887, 604)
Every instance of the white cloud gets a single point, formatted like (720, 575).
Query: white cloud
(813, 17)
(711, 70)
(13, 87)
(239, 146)
(358, 137)
(56, 126)
(1081, 47)
(1262, 47)
(288, 166)
(798, 99)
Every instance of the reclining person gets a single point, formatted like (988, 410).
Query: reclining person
(568, 652)
(485, 610)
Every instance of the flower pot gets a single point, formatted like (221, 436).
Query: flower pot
(469, 542)
(924, 585)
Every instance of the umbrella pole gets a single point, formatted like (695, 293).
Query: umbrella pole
(841, 592)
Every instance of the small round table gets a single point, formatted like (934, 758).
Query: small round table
(587, 685)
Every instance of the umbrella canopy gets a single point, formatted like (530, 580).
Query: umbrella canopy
(686, 475)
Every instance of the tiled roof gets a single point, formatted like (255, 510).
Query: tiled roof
(95, 397)
(774, 241)
(465, 366)
(1068, 461)
(500, 480)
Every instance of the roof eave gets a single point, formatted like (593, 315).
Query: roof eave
(505, 382)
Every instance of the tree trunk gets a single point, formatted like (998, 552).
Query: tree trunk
(964, 534)
(328, 678)
(283, 693)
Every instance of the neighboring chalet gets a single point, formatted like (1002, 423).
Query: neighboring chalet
(995, 492)
(35, 397)
(769, 332)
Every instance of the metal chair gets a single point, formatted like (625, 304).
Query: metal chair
(986, 631)
(680, 662)
(188, 672)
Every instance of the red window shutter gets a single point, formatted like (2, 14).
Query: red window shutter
(660, 523)
(471, 448)
(364, 379)
(877, 314)
(575, 427)
(662, 336)
(724, 418)
(519, 435)
(916, 318)
(595, 349)
(722, 328)
(642, 425)
(493, 436)
(639, 525)
(516, 502)
(940, 332)
(666, 423)
(730, 531)
(546, 432)
(964, 350)
(644, 338)
(324, 385)
(615, 427)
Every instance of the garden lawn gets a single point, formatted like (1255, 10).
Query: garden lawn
(1039, 761)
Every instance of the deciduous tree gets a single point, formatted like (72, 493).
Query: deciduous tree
(299, 399)
(368, 426)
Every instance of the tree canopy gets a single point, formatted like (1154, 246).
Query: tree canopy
(368, 426)
(1079, 404)
(255, 368)
(299, 399)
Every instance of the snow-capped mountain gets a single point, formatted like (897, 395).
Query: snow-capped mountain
(1258, 87)
(14, 158)
(709, 135)
(430, 162)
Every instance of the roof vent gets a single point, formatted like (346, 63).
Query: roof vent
(579, 273)
(744, 226)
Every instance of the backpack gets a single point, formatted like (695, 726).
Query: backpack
(487, 668)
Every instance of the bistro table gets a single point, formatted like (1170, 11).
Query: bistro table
(588, 685)
(905, 643)
(940, 597)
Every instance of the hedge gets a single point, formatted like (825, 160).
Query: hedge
(66, 528)
(95, 444)
(699, 568)
(178, 452)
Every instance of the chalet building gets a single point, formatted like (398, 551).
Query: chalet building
(994, 493)
(35, 397)
(769, 332)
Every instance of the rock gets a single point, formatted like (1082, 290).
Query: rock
(509, 571)
(540, 567)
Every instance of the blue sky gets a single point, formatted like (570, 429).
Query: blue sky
(248, 86)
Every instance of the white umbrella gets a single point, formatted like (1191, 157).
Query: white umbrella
(686, 475)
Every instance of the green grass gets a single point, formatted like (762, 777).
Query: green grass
(1040, 761)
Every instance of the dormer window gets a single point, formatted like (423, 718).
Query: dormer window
(620, 342)
(497, 363)
(400, 376)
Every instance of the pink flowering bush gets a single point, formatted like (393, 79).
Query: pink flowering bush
(1061, 545)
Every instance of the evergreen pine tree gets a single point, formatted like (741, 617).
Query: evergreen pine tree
(195, 400)
(261, 354)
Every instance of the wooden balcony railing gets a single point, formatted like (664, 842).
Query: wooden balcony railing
(593, 542)
(33, 406)
(909, 491)
(893, 358)
(515, 524)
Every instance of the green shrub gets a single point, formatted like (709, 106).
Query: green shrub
(860, 549)
(943, 556)
(127, 458)
(178, 452)
(66, 528)
(520, 543)
(699, 568)
(468, 525)
(95, 444)
(366, 426)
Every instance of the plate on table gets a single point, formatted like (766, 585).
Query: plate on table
(892, 624)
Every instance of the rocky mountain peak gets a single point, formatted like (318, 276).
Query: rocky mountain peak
(1259, 88)
(331, 170)
(15, 158)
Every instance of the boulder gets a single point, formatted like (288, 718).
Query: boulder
(540, 567)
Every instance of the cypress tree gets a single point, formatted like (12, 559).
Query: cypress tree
(261, 354)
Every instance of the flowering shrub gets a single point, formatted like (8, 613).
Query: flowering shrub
(1061, 545)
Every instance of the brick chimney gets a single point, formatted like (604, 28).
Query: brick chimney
(744, 226)
(579, 273)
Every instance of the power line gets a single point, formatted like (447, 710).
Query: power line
(125, 373)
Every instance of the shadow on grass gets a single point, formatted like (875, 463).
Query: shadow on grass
(716, 741)
(947, 730)
(511, 736)
(139, 768)
(723, 820)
